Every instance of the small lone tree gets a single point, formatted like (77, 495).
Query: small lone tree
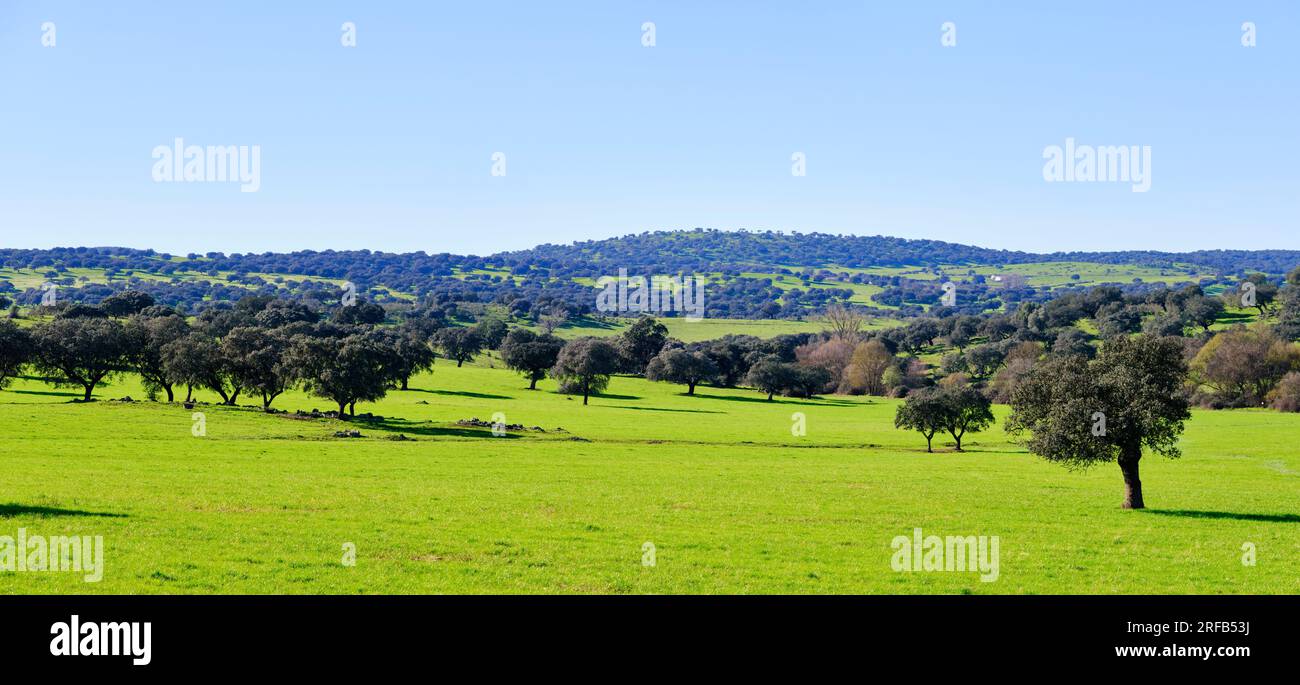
(530, 354)
(925, 411)
(681, 366)
(460, 344)
(584, 366)
(770, 376)
(1080, 412)
(968, 411)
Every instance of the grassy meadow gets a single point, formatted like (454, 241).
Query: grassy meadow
(732, 501)
(709, 329)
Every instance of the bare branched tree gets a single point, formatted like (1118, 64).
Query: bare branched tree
(844, 323)
(553, 319)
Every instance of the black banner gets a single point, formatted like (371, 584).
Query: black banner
(333, 634)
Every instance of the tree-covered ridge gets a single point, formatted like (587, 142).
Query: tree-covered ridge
(751, 275)
(658, 252)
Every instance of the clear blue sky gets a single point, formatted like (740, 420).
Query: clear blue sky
(388, 145)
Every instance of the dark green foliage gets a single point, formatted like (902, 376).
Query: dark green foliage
(682, 366)
(126, 303)
(585, 365)
(924, 411)
(149, 335)
(492, 332)
(15, 351)
(361, 313)
(530, 354)
(640, 342)
(1080, 412)
(957, 410)
(81, 351)
(196, 360)
(459, 344)
(344, 370)
(256, 360)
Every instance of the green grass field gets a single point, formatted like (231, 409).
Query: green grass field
(1058, 274)
(731, 500)
(709, 329)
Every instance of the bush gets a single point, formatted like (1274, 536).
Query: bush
(833, 355)
(866, 371)
(1286, 396)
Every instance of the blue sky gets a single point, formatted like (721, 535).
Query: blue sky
(388, 145)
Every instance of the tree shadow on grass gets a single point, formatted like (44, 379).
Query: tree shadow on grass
(1235, 317)
(462, 393)
(1188, 513)
(683, 411)
(50, 393)
(588, 324)
(11, 509)
(427, 429)
(781, 400)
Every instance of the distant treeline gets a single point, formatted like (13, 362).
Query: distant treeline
(541, 281)
(264, 345)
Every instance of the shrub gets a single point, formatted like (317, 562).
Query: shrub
(1286, 396)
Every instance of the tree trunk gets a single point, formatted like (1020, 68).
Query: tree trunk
(90, 387)
(459, 362)
(957, 436)
(769, 396)
(170, 397)
(404, 381)
(928, 444)
(690, 388)
(352, 409)
(1128, 465)
(533, 384)
(586, 390)
(343, 410)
